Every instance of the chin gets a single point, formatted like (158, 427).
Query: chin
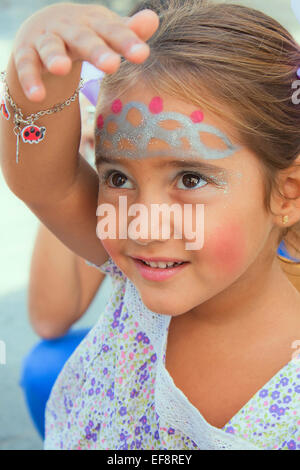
(162, 305)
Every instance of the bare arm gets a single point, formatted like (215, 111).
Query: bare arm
(52, 178)
(61, 286)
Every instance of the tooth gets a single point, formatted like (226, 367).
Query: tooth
(153, 264)
(161, 264)
(170, 264)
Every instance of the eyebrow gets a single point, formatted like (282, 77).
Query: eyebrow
(203, 166)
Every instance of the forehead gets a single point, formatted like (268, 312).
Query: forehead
(141, 123)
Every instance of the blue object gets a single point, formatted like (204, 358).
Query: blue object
(40, 369)
(282, 251)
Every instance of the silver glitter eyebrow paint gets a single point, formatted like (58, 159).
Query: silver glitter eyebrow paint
(149, 128)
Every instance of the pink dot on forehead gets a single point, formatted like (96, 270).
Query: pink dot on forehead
(116, 106)
(156, 105)
(100, 121)
(197, 116)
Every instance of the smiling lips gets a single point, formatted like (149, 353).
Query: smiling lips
(158, 269)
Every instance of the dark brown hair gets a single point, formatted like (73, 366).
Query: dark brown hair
(239, 56)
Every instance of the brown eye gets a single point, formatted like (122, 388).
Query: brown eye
(116, 179)
(191, 181)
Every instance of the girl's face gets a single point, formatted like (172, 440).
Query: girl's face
(148, 149)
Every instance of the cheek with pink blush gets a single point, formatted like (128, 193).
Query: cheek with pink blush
(226, 248)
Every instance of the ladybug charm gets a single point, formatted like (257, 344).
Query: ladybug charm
(3, 109)
(33, 134)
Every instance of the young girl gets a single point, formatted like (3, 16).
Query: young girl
(197, 347)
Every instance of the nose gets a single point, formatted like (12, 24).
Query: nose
(151, 223)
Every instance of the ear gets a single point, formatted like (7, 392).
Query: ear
(286, 201)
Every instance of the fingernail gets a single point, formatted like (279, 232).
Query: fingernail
(103, 58)
(55, 59)
(137, 48)
(33, 89)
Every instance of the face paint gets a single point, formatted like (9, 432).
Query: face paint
(138, 138)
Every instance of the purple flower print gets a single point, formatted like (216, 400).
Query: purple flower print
(138, 444)
(124, 436)
(143, 419)
(118, 311)
(273, 408)
(145, 376)
(280, 411)
(91, 392)
(147, 429)
(146, 340)
(230, 430)
(133, 393)
(143, 366)
(139, 337)
(263, 393)
(115, 324)
(124, 318)
(110, 393)
(153, 358)
(93, 381)
(287, 399)
(137, 430)
(94, 437)
(297, 389)
(156, 435)
(171, 431)
(284, 381)
(291, 445)
(105, 348)
(123, 411)
(275, 395)
(105, 370)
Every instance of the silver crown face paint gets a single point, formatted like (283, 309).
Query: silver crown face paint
(120, 136)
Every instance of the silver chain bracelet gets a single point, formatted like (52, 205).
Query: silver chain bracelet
(30, 133)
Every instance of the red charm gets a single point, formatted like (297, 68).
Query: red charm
(33, 134)
(4, 110)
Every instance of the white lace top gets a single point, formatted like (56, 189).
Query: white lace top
(115, 392)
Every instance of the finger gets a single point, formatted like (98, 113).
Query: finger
(53, 54)
(120, 38)
(144, 23)
(28, 67)
(86, 45)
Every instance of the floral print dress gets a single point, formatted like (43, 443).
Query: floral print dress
(114, 392)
